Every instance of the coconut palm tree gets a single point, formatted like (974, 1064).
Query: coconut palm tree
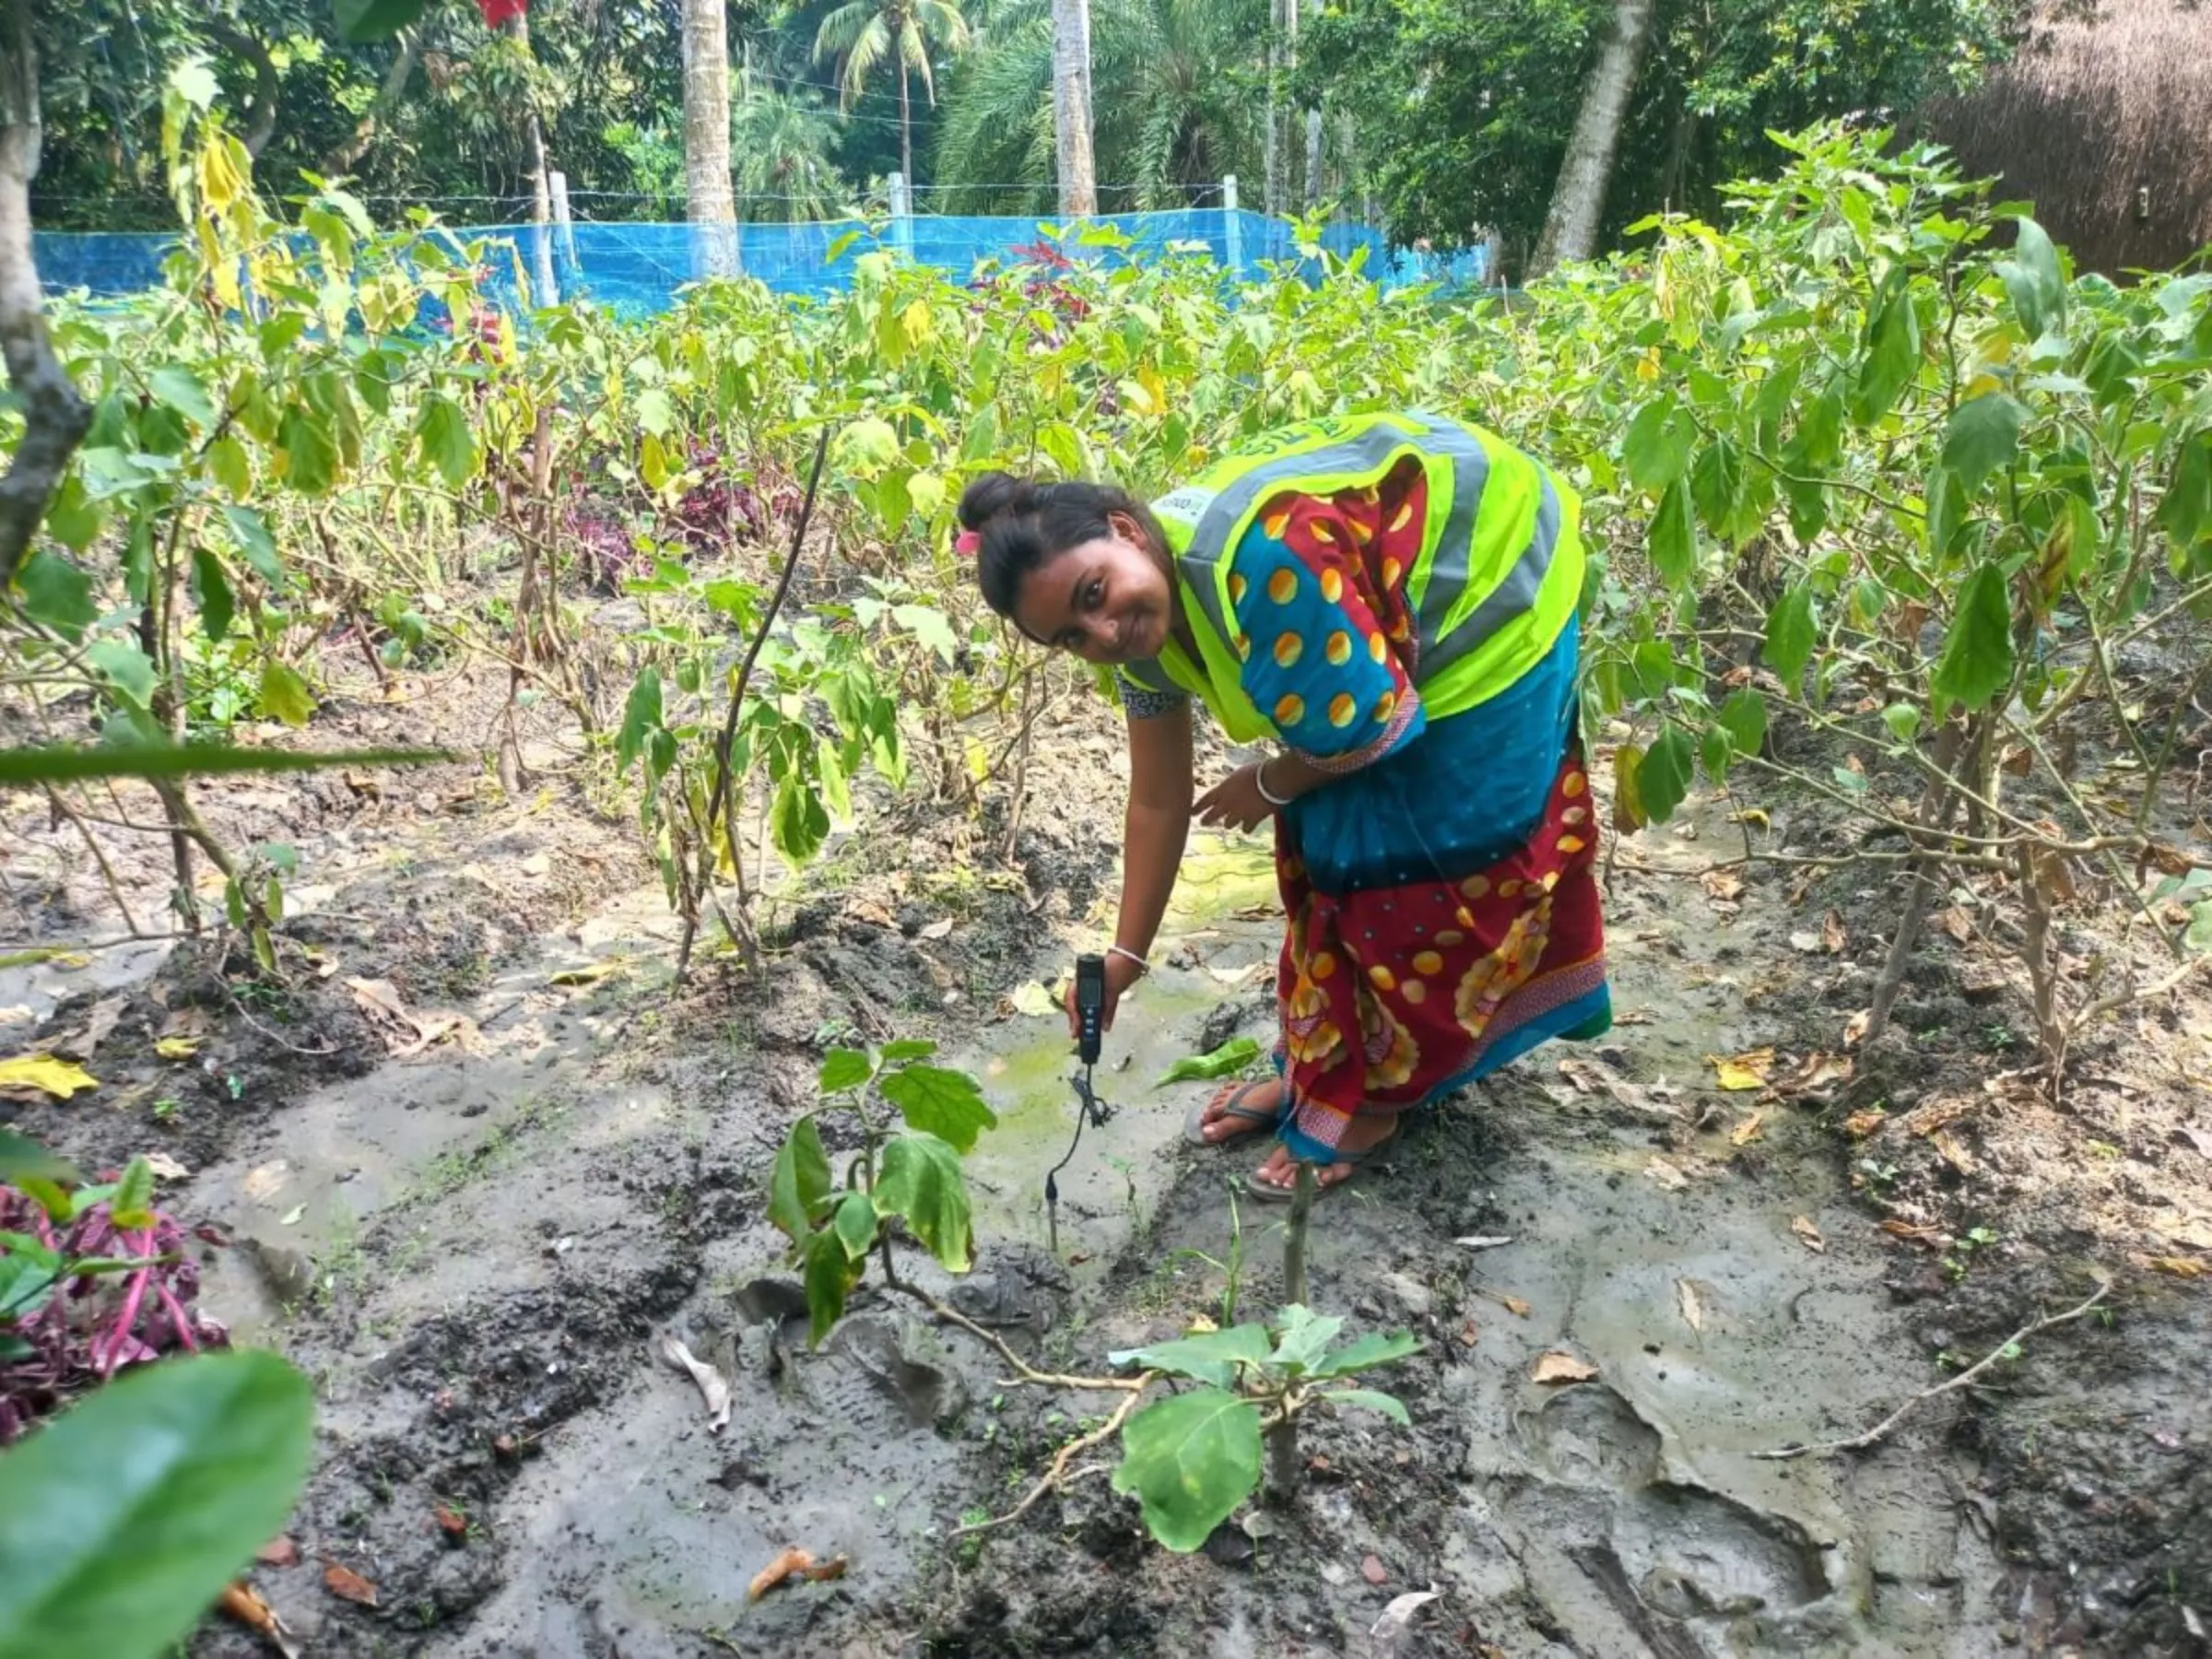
(864, 33)
(783, 143)
(1178, 101)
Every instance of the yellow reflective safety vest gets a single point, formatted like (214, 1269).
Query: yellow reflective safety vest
(1497, 576)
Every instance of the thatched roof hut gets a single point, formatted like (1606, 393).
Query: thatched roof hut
(2104, 121)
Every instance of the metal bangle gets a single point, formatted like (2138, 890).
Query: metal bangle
(1259, 779)
(1143, 965)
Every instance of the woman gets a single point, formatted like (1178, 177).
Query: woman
(1391, 599)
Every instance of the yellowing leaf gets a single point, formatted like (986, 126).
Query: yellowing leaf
(177, 1048)
(1808, 1234)
(2179, 1267)
(59, 1079)
(1557, 1367)
(1743, 1071)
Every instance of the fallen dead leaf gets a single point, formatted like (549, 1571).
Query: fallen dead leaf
(177, 1048)
(451, 1523)
(941, 929)
(1860, 1124)
(591, 973)
(1816, 1075)
(1832, 937)
(1372, 1571)
(1590, 1078)
(1919, 1233)
(1747, 1070)
(1922, 1121)
(1951, 1152)
(1693, 1310)
(1754, 816)
(1557, 1367)
(243, 1604)
(537, 863)
(1634, 1016)
(712, 1386)
(794, 1563)
(1957, 923)
(1390, 1629)
(264, 1182)
(278, 1552)
(872, 912)
(166, 1167)
(1723, 887)
(45, 1075)
(1484, 1242)
(2177, 1267)
(405, 1034)
(1808, 1235)
(1744, 1132)
(1666, 1174)
(345, 1582)
(1856, 1026)
(1804, 942)
(1033, 1000)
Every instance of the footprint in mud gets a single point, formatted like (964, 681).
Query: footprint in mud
(1692, 1553)
(1589, 1436)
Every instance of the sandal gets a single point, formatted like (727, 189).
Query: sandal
(1233, 1100)
(1268, 1193)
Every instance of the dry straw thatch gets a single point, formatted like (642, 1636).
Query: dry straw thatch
(2104, 121)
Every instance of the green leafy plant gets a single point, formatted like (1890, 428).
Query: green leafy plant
(1192, 1459)
(911, 1178)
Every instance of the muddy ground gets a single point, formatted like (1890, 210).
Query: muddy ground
(484, 1150)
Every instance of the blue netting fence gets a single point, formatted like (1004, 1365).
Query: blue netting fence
(638, 267)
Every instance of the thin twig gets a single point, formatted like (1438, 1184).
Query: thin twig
(1860, 1442)
(1024, 1372)
(2119, 1000)
(1055, 1477)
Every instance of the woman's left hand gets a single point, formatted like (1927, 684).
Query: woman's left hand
(1236, 802)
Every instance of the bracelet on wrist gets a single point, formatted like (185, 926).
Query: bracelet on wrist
(1259, 779)
(1127, 955)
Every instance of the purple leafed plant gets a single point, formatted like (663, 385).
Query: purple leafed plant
(82, 1297)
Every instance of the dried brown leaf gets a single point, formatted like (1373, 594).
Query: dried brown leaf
(1666, 1174)
(1557, 1367)
(241, 1604)
(1372, 1571)
(1693, 1308)
(790, 1564)
(349, 1585)
(278, 1552)
(1744, 1132)
(1860, 1124)
(1808, 1235)
(1816, 1075)
(1956, 922)
(450, 1523)
(1832, 937)
(2178, 1266)
(1918, 1233)
(1857, 1026)
(1725, 886)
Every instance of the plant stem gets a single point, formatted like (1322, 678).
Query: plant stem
(1294, 1236)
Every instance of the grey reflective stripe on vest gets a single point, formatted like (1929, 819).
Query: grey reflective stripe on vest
(1513, 597)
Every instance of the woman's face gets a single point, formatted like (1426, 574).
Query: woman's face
(1106, 600)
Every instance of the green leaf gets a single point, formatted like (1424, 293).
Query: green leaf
(211, 586)
(829, 1276)
(797, 822)
(1366, 1353)
(1231, 1057)
(1627, 788)
(1984, 436)
(260, 547)
(2185, 513)
(906, 1049)
(1790, 635)
(2199, 935)
(1674, 539)
(921, 1181)
(1189, 1461)
(62, 763)
(946, 1104)
(446, 442)
(284, 695)
(1976, 663)
(865, 447)
(1656, 448)
(123, 1520)
(1743, 718)
(843, 1069)
(75, 519)
(1717, 484)
(1892, 355)
(1303, 1337)
(125, 667)
(855, 1224)
(22, 1159)
(929, 624)
(360, 20)
(310, 453)
(57, 594)
(180, 389)
(1903, 721)
(799, 1182)
(132, 1209)
(1388, 1405)
(1211, 1359)
(2033, 281)
(640, 717)
(1663, 779)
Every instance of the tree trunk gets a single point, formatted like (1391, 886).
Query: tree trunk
(1313, 134)
(1275, 157)
(55, 417)
(541, 189)
(1578, 201)
(347, 155)
(906, 133)
(708, 202)
(1071, 107)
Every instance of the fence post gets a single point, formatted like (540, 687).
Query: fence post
(558, 183)
(1235, 228)
(903, 215)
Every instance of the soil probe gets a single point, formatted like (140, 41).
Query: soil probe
(1091, 1025)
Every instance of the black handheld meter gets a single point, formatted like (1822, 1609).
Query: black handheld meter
(1090, 1006)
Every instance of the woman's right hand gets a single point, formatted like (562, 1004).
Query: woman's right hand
(1121, 974)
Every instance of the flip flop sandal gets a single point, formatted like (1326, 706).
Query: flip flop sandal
(1194, 1120)
(1266, 1192)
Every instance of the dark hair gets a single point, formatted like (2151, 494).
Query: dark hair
(1022, 525)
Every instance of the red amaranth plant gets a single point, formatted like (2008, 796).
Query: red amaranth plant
(89, 1282)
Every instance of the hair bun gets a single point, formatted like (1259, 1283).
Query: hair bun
(994, 494)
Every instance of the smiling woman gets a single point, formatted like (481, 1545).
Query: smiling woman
(1391, 599)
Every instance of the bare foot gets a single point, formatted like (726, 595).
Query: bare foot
(1219, 1125)
(1362, 1134)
